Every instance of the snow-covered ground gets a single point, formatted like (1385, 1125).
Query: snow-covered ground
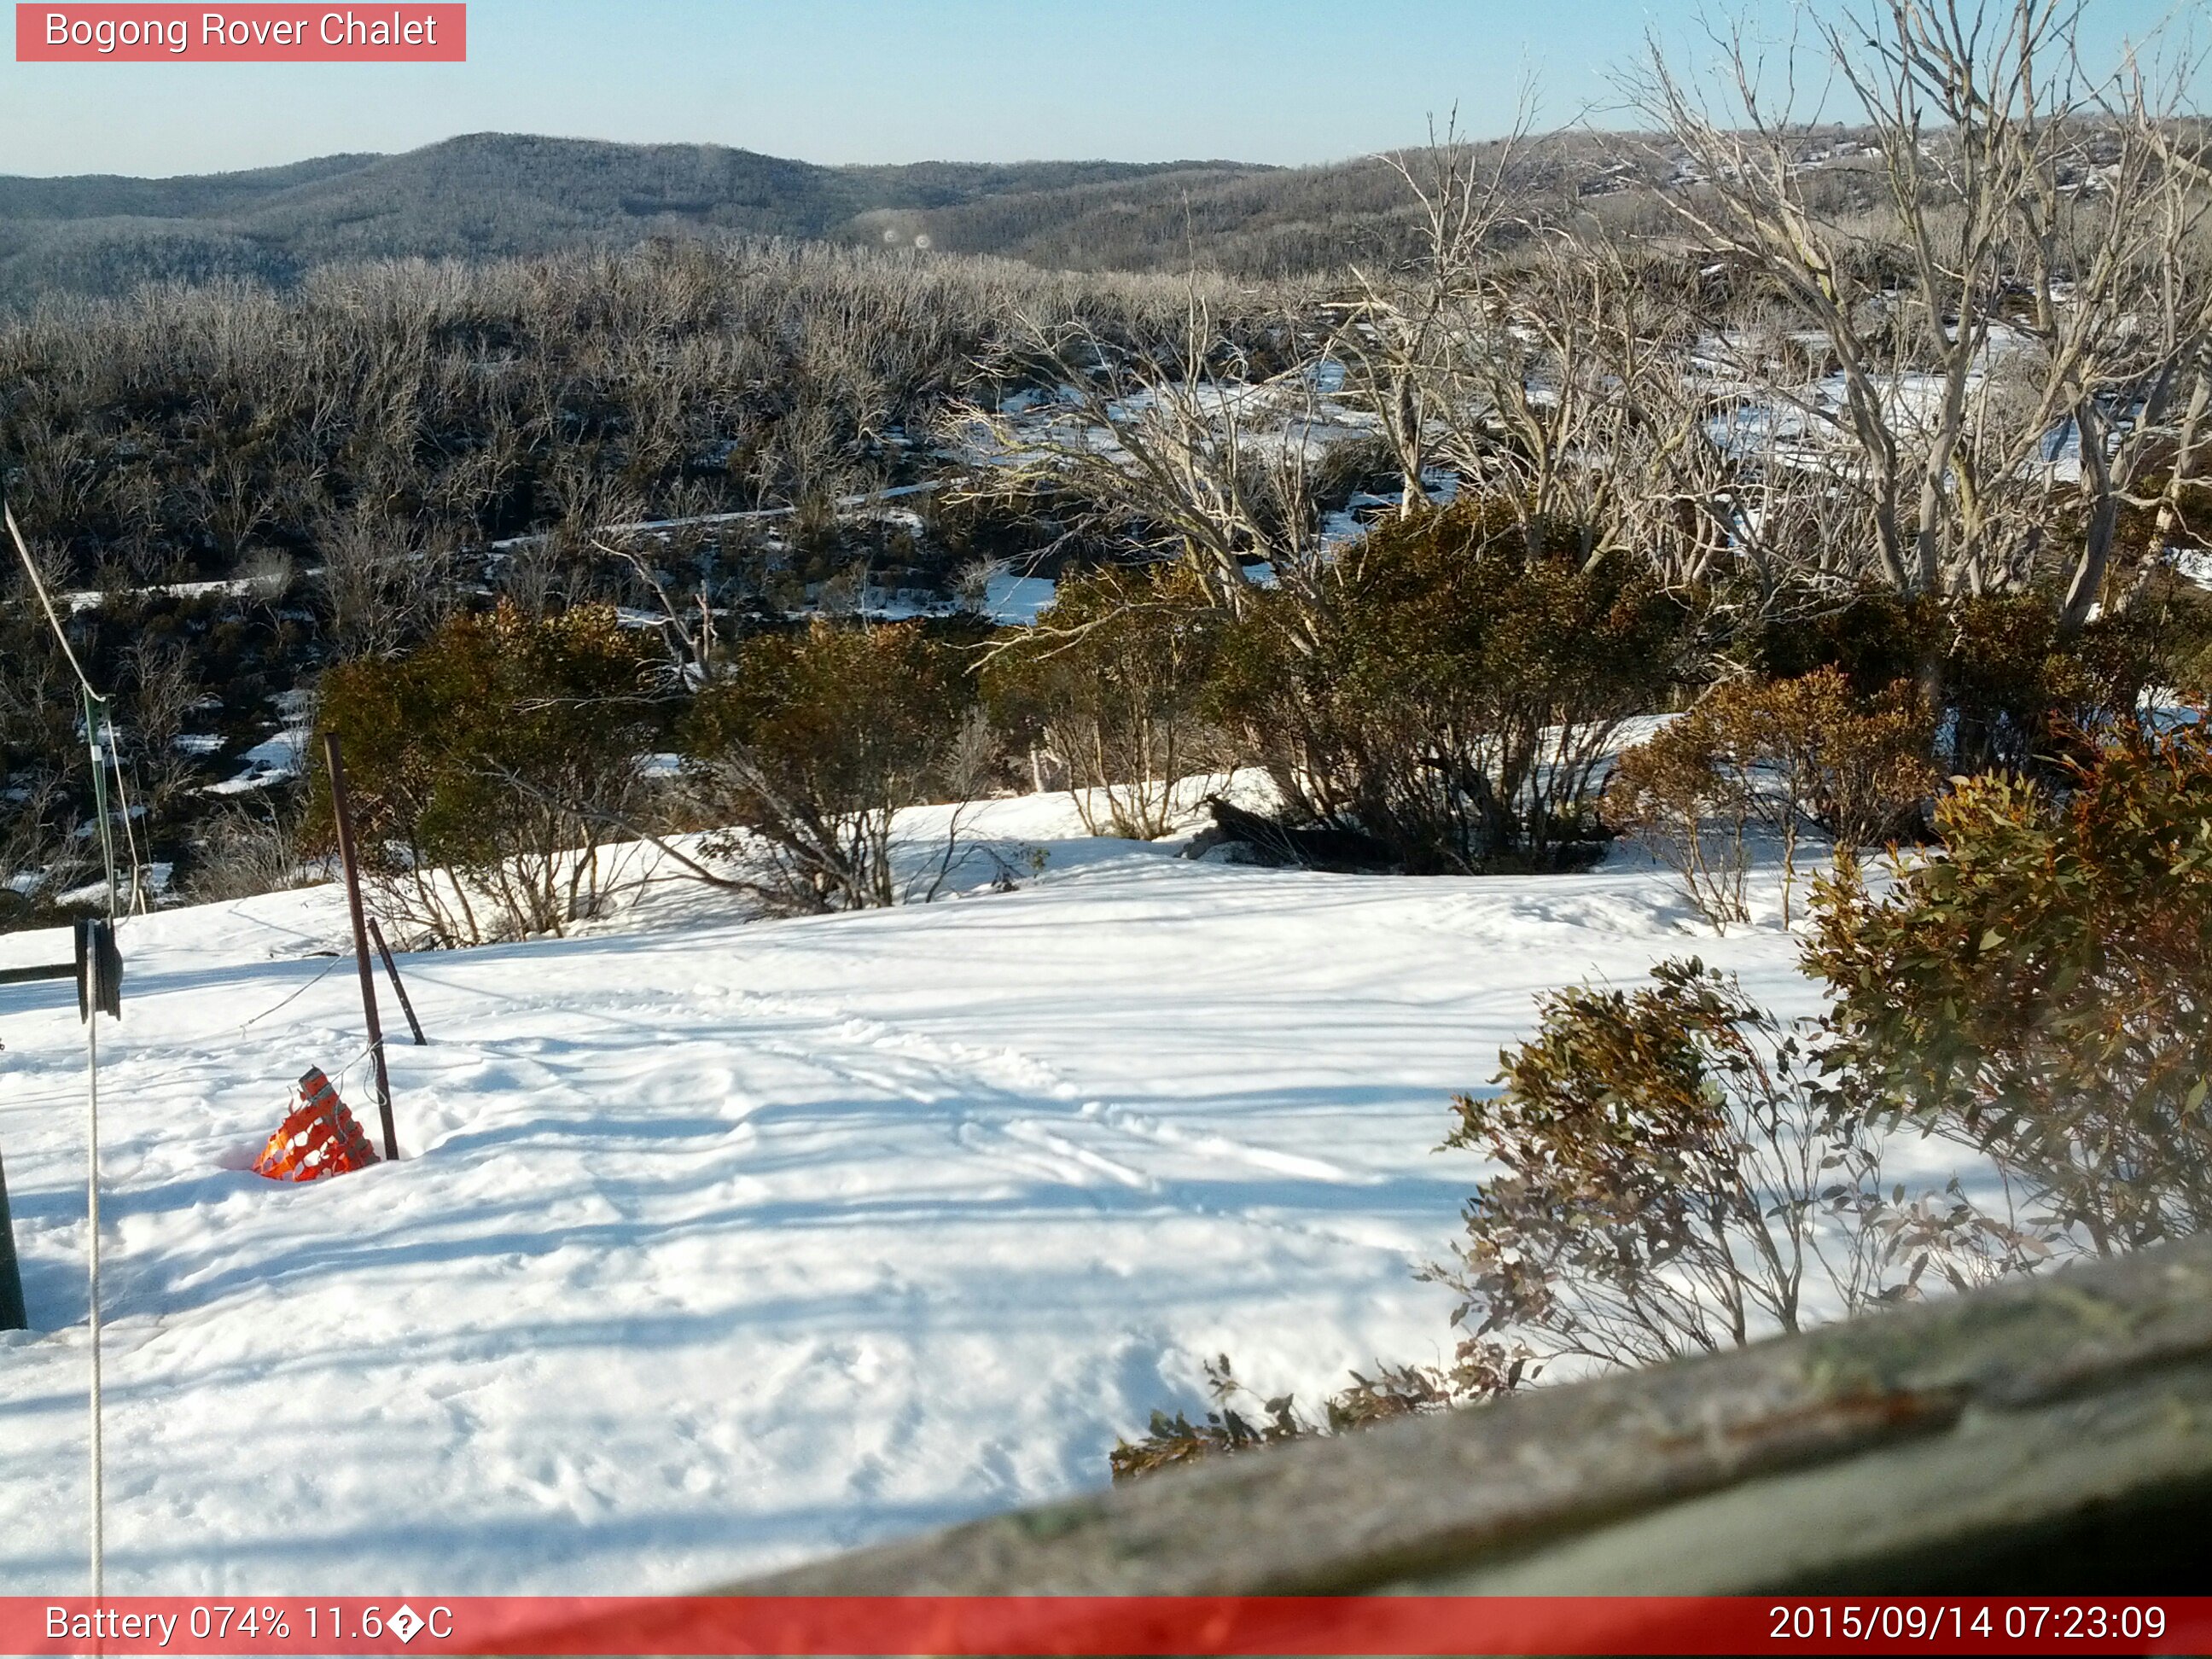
(718, 1246)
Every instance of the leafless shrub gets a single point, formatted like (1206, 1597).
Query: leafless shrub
(1180, 444)
(383, 584)
(243, 850)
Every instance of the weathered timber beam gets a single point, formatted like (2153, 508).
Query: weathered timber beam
(33, 976)
(2047, 1434)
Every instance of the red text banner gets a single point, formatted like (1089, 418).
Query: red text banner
(1097, 1625)
(124, 33)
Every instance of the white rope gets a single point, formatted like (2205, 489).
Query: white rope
(100, 750)
(92, 1228)
(38, 586)
(336, 963)
(90, 970)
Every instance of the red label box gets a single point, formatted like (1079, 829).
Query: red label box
(1096, 1627)
(124, 33)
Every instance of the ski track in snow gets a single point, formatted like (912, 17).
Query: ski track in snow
(716, 1248)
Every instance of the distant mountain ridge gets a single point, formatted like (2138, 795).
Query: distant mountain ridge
(490, 195)
(494, 195)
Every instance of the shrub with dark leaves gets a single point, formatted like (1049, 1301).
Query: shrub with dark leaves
(490, 765)
(1681, 1174)
(811, 743)
(2043, 987)
(1448, 693)
(1110, 681)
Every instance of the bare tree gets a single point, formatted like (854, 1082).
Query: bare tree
(2010, 344)
(1187, 452)
(383, 584)
(1404, 322)
(1553, 366)
(159, 691)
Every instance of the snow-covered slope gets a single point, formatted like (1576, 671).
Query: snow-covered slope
(718, 1246)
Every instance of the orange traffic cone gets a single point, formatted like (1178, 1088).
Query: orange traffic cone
(319, 1139)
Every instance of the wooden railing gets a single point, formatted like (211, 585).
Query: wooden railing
(2050, 1435)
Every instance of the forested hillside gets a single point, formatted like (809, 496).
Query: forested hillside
(500, 195)
(490, 195)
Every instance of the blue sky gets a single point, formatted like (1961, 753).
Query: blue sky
(834, 81)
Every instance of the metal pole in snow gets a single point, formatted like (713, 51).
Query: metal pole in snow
(92, 1226)
(96, 736)
(343, 814)
(398, 984)
(99, 987)
(12, 1315)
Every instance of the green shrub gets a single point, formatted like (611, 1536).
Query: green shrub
(1874, 638)
(811, 745)
(1448, 693)
(1110, 681)
(1681, 1174)
(2021, 693)
(490, 767)
(2181, 614)
(2043, 988)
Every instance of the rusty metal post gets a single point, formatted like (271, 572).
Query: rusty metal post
(341, 811)
(399, 984)
(12, 1315)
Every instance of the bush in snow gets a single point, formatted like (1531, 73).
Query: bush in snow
(1393, 1391)
(812, 744)
(1682, 1174)
(1797, 756)
(1855, 769)
(1110, 682)
(242, 850)
(1691, 810)
(1447, 692)
(2020, 691)
(2008, 686)
(2043, 988)
(491, 767)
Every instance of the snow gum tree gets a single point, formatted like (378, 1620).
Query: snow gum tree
(2013, 308)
